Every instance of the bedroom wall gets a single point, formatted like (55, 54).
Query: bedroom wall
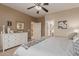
(72, 17)
(15, 16)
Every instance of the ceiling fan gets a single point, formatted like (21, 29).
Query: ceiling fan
(39, 6)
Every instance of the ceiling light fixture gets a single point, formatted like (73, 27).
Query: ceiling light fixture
(38, 7)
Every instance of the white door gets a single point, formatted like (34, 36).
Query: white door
(36, 30)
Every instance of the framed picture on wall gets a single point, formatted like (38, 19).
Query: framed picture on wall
(62, 24)
(20, 25)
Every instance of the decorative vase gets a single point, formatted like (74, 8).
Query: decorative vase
(8, 30)
(3, 29)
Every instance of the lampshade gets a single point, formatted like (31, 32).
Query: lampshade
(76, 30)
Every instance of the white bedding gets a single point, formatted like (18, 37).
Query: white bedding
(50, 47)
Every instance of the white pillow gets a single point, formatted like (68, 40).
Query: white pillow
(72, 35)
(75, 39)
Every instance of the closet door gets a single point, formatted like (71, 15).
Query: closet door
(36, 30)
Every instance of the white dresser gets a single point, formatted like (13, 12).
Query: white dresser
(13, 39)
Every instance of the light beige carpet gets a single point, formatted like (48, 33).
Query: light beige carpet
(8, 52)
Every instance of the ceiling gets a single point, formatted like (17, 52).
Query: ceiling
(52, 7)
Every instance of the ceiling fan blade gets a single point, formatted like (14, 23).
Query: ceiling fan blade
(46, 4)
(37, 12)
(44, 9)
(31, 7)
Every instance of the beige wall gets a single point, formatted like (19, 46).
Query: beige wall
(72, 17)
(7, 13)
(15, 16)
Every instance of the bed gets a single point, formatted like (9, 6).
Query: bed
(53, 46)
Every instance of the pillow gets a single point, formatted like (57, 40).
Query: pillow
(76, 45)
(72, 35)
(76, 48)
(75, 38)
